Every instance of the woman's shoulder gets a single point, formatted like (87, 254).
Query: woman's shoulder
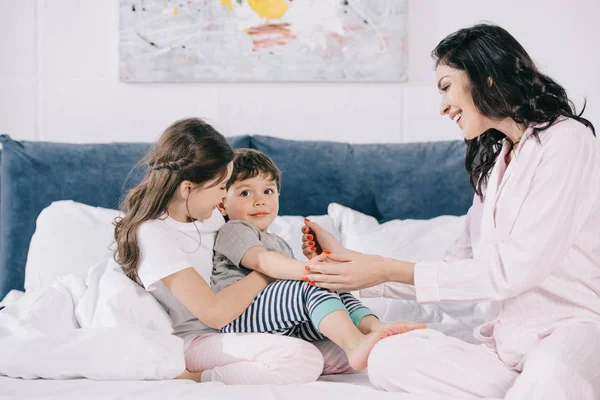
(572, 145)
(568, 132)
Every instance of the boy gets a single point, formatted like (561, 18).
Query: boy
(289, 306)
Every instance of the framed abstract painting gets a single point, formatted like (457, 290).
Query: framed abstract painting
(263, 40)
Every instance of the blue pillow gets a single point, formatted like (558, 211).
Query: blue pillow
(34, 174)
(387, 181)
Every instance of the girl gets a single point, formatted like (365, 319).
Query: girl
(531, 245)
(159, 246)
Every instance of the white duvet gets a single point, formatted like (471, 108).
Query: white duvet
(102, 327)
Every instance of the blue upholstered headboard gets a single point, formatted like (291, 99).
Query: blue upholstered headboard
(387, 181)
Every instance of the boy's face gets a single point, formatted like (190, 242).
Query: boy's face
(254, 200)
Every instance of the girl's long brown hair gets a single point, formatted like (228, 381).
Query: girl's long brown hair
(190, 149)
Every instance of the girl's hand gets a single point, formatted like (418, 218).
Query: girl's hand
(316, 239)
(352, 271)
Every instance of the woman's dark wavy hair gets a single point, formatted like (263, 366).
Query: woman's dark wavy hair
(518, 90)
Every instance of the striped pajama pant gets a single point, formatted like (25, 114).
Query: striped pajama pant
(286, 307)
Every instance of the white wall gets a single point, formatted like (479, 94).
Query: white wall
(59, 77)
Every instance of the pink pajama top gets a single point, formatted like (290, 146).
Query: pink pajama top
(531, 248)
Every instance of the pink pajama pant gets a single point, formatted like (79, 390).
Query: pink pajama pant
(262, 358)
(564, 365)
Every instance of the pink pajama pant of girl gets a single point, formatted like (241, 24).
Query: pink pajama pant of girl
(262, 358)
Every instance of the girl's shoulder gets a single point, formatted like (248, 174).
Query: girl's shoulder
(155, 229)
(152, 224)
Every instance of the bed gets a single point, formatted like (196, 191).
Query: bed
(403, 200)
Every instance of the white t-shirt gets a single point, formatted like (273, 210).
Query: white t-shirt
(168, 246)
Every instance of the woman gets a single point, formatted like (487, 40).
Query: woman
(531, 244)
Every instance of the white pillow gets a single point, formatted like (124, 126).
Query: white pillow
(69, 238)
(289, 227)
(408, 240)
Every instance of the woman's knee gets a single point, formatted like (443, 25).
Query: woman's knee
(393, 357)
(566, 356)
(408, 345)
(546, 376)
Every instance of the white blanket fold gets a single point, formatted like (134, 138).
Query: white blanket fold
(102, 327)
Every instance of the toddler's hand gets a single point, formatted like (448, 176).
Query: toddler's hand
(317, 259)
(316, 240)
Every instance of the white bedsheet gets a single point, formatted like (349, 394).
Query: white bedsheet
(109, 330)
(327, 388)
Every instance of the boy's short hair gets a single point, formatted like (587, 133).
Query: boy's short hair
(248, 163)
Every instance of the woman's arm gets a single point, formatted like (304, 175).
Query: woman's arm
(214, 309)
(352, 271)
(462, 247)
(548, 215)
(556, 206)
(389, 273)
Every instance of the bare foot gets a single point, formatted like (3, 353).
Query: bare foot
(359, 354)
(193, 376)
(397, 327)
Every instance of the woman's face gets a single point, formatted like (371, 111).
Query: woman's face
(457, 102)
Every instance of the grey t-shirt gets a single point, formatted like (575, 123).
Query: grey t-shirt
(234, 239)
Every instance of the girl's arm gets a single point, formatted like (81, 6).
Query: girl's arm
(214, 309)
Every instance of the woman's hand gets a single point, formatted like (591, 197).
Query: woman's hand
(316, 239)
(347, 271)
(352, 271)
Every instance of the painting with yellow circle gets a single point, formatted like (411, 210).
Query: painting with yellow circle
(263, 40)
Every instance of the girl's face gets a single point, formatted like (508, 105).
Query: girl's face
(204, 199)
(457, 102)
